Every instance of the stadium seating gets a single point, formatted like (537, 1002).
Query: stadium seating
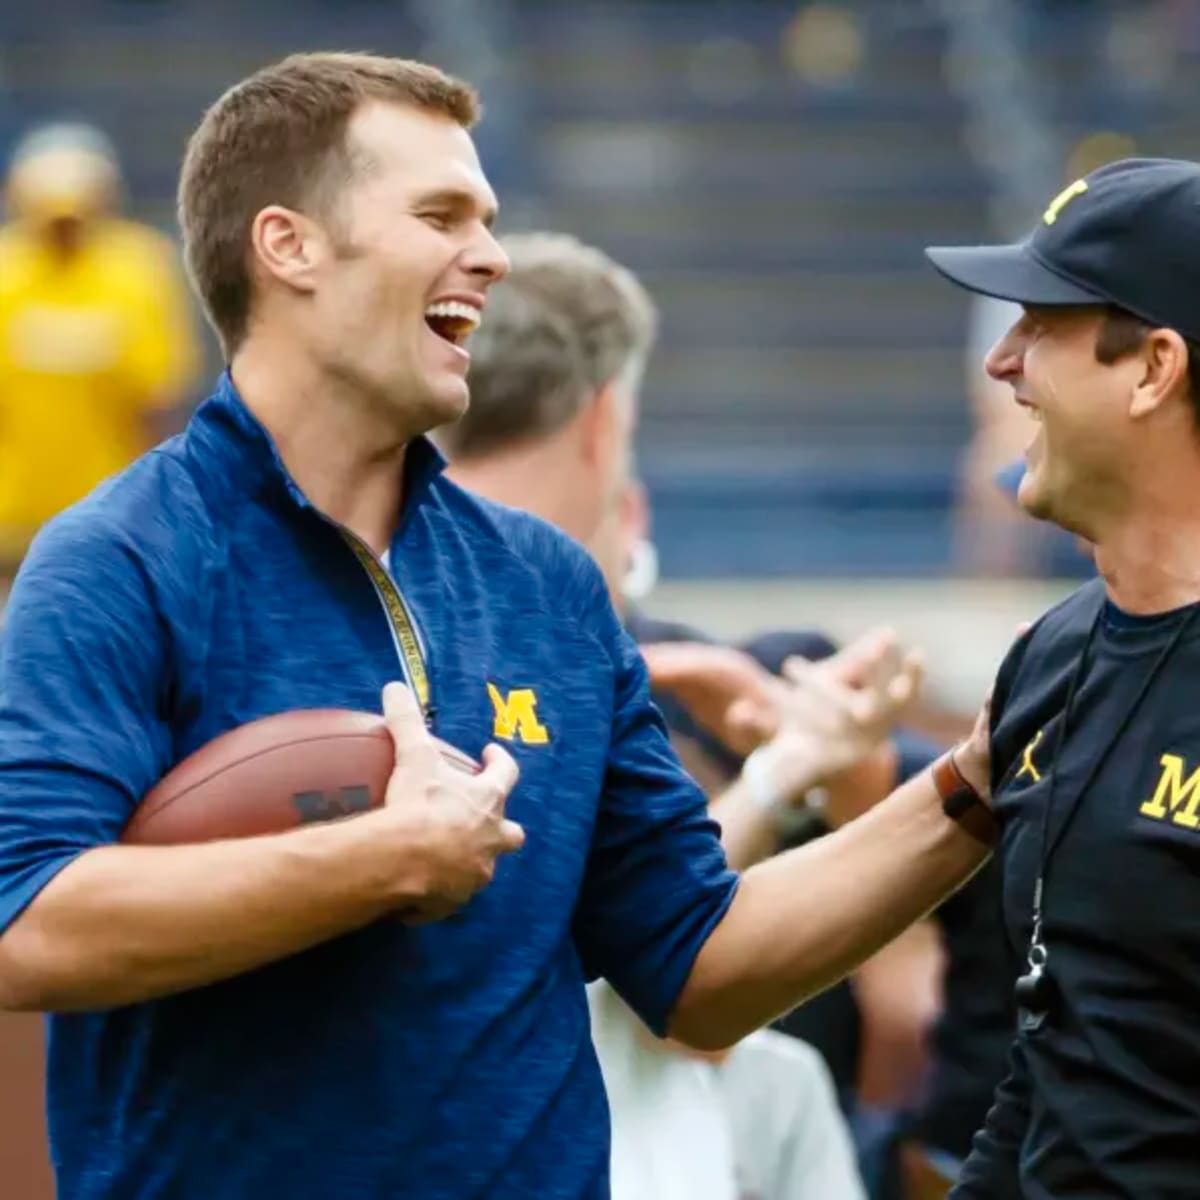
(805, 411)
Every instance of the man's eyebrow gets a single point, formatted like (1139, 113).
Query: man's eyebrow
(459, 199)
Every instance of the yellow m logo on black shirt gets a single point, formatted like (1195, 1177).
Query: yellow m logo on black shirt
(516, 716)
(1175, 796)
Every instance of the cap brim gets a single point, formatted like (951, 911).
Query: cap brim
(1008, 273)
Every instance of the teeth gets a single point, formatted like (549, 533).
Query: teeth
(455, 309)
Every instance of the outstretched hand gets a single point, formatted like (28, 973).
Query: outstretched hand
(837, 712)
(739, 702)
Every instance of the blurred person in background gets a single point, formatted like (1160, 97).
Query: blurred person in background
(554, 380)
(555, 371)
(97, 344)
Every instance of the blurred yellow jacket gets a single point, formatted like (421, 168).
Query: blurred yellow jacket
(89, 346)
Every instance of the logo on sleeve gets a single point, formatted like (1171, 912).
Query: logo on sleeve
(1175, 798)
(516, 716)
(1028, 766)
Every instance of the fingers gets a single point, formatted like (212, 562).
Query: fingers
(453, 817)
(406, 724)
(906, 686)
(749, 724)
(882, 659)
(796, 667)
(512, 836)
(889, 680)
(699, 670)
(858, 663)
(818, 698)
(896, 686)
(500, 772)
(813, 678)
(667, 663)
(983, 720)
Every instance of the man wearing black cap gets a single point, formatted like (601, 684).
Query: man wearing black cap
(1095, 729)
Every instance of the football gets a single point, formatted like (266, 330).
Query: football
(275, 774)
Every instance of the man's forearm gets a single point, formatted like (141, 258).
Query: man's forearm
(802, 921)
(749, 829)
(123, 924)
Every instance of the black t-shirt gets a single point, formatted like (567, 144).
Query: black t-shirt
(1103, 1098)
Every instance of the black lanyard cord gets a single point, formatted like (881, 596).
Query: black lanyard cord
(1034, 988)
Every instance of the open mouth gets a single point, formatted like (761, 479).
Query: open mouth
(1033, 413)
(452, 320)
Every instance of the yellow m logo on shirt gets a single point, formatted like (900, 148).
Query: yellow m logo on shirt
(516, 716)
(1175, 796)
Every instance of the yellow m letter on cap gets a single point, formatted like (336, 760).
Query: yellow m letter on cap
(516, 716)
(1063, 199)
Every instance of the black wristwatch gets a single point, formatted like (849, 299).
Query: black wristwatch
(962, 803)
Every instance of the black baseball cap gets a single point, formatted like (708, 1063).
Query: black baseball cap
(1128, 234)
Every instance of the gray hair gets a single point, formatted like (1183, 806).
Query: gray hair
(567, 321)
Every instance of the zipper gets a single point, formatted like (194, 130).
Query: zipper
(406, 634)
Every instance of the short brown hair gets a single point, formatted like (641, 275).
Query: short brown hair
(1122, 333)
(279, 137)
(565, 321)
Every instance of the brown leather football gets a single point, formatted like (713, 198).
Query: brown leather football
(275, 774)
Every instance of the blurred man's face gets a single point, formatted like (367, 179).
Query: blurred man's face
(65, 234)
(413, 257)
(1076, 460)
(61, 193)
(607, 477)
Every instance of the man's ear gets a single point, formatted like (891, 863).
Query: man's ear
(598, 423)
(288, 246)
(1163, 358)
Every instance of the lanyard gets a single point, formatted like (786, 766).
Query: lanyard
(1034, 989)
(404, 632)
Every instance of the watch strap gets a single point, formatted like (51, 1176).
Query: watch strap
(962, 803)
